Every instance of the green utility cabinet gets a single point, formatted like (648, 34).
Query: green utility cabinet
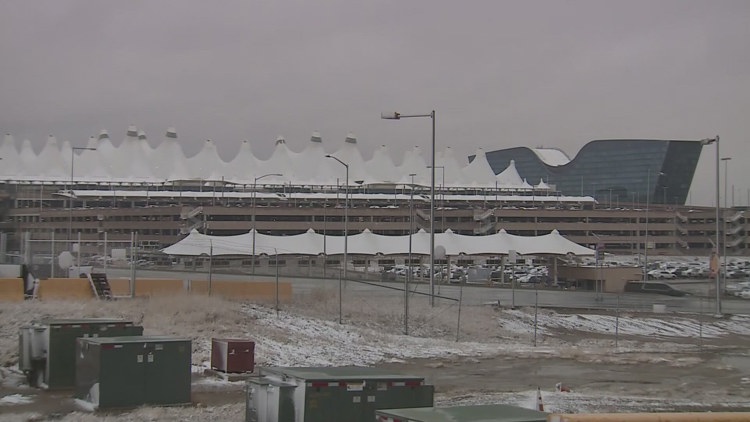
(120, 372)
(341, 394)
(46, 348)
(478, 413)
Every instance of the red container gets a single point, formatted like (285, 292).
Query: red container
(232, 355)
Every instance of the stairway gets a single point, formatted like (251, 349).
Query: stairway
(100, 286)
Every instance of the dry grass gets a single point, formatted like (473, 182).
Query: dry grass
(201, 318)
(386, 314)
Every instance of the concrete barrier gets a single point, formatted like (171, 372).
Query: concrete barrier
(263, 290)
(64, 288)
(256, 290)
(11, 289)
(80, 288)
(146, 286)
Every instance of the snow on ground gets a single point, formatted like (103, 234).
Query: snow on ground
(312, 342)
(548, 322)
(12, 399)
(308, 334)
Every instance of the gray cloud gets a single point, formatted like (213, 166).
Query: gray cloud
(499, 73)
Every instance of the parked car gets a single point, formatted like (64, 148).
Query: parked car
(696, 272)
(661, 275)
(736, 273)
(530, 278)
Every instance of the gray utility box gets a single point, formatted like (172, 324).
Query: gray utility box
(343, 394)
(121, 372)
(478, 413)
(47, 348)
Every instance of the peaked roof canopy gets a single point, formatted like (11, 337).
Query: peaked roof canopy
(135, 160)
(368, 243)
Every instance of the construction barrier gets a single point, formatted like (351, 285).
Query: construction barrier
(652, 417)
(146, 286)
(11, 289)
(257, 290)
(64, 288)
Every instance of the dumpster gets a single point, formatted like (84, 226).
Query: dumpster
(46, 348)
(339, 394)
(122, 372)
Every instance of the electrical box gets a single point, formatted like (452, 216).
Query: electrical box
(476, 413)
(232, 355)
(342, 394)
(121, 372)
(46, 348)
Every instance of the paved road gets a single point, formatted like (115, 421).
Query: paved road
(473, 295)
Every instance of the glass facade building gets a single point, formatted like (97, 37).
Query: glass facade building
(614, 170)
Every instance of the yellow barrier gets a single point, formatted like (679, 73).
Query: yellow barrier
(147, 286)
(65, 288)
(255, 290)
(11, 289)
(80, 288)
(652, 417)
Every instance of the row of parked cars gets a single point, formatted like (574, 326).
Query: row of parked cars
(473, 274)
(669, 271)
(739, 289)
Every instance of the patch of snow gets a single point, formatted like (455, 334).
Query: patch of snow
(14, 399)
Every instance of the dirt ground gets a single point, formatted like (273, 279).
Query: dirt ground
(640, 374)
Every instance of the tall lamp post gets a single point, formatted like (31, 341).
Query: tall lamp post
(645, 241)
(398, 116)
(442, 198)
(70, 193)
(645, 245)
(346, 212)
(408, 276)
(255, 184)
(704, 142)
(724, 231)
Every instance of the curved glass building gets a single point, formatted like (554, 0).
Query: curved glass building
(611, 170)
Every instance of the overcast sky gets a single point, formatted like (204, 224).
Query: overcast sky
(498, 73)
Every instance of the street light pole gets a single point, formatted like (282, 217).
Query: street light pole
(346, 212)
(442, 199)
(409, 275)
(724, 236)
(398, 116)
(645, 241)
(709, 141)
(255, 184)
(70, 192)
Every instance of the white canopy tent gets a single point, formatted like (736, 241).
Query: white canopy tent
(137, 159)
(368, 243)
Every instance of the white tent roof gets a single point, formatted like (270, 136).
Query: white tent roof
(135, 160)
(368, 243)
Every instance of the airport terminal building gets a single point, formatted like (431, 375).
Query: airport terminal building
(108, 195)
(612, 170)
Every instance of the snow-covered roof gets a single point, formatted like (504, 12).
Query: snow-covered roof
(551, 156)
(138, 159)
(368, 243)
